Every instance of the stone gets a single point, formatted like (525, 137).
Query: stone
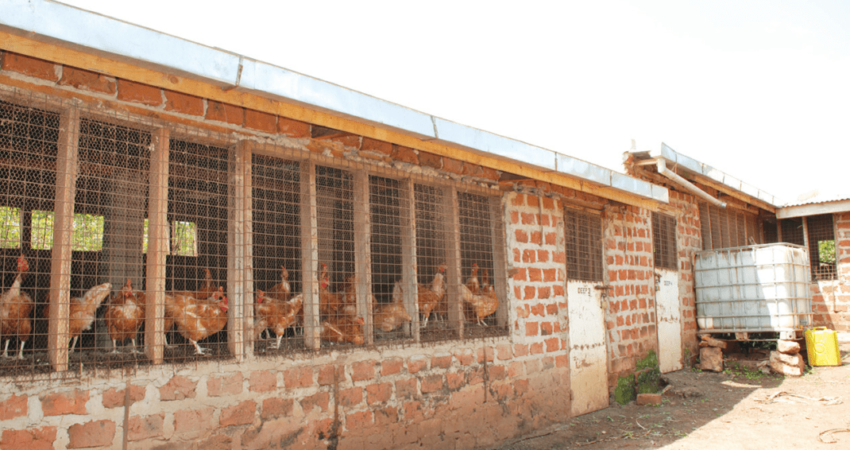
(649, 399)
(789, 365)
(788, 347)
(711, 358)
(710, 342)
(92, 434)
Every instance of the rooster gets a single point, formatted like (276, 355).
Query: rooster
(343, 329)
(82, 310)
(390, 316)
(276, 314)
(430, 296)
(125, 313)
(15, 310)
(197, 319)
(482, 304)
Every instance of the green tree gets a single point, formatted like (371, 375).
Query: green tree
(10, 227)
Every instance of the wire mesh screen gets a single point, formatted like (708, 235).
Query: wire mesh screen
(724, 228)
(821, 246)
(276, 204)
(431, 245)
(583, 244)
(476, 254)
(196, 265)
(341, 321)
(770, 232)
(28, 153)
(664, 241)
(705, 226)
(792, 231)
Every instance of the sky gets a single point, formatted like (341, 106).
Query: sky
(758, 89)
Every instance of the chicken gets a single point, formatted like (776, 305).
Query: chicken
(125, 313)
(472, 282)
(348, 303)
(276, 314)
(429, 296)
(480, 305)
(279, 292)
(329, 303)
(197, 319)
(343, 329)
(15, 310)
(390, 316)
(82, 310)
(208, 287)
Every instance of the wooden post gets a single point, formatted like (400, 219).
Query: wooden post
(500, 259)
(236, 251)
(157, 247)
(454, 273)
(363, 251)
(63, 227)
(309, 255)
(408, 256)
(248, 249)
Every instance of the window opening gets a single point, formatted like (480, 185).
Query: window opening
(10, 227)
(431, 259)
(821, 246)
(583, 233)
(664, 241)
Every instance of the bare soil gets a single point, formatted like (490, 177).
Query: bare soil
(728, 410)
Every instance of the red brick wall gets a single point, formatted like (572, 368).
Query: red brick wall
(831, 299)
(630, 316)
(688, 242)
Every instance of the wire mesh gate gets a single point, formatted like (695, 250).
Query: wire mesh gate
(129, 241)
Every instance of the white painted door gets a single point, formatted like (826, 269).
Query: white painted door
(588, 353)
(669, 320)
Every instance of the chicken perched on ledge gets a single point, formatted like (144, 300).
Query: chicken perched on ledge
(429, 296)
(343, 329)
(389, 316)
(15, 309)
(82, 310)
(275, 314)
(481, 305)
(197, 319)
(125, 313)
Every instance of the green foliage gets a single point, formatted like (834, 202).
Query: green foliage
(10, 227)
(625, 391)
(87, 235)
(42, 230)
(826, 252)
(184, 242)
(648, 374)
(649, 361)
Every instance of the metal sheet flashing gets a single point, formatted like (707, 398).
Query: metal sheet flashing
(582, 169)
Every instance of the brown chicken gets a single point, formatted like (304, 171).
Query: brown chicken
(275, 314)
(343, 329)
(429, 296)
(83, 310)
(197, 319)
(329, 303)
(472, 283)
(390, 316)
(481, 305)
(15, 310)
(208, 287)
(279, 292)
(125, 313)
(348, 303)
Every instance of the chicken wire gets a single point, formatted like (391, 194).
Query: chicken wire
(664, 241)
(821, 237)
(583, 245)
(384, 242)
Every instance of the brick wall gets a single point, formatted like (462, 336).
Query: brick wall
(688, 242)
(831, 299)
(630, 316)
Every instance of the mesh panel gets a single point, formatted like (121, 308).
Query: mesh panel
(705, 225)
(664, 241)
(821, 246)
(792, 231)
(583, 233)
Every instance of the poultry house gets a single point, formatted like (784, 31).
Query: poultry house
(482, 305)
(343, 329)
(125, 313)
(15, 309)
(197, 319)
(82, 310)
(389, 316)
(429, 296)
(275, 314)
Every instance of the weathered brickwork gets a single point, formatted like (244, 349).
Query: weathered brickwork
(831, 299)
(688, 242)
(630, 316)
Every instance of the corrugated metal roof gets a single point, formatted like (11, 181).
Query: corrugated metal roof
(818, 198)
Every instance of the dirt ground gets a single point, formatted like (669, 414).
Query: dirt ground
(726, 410)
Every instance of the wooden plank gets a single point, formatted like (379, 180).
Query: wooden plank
(728, 191)
(454, 275)
(63, 227)
(310, 255)
(236, 253)
(408, 256)
(152, 76)
(814, 209)
(157, 247)
(248, 247)
(500, 259)
(363, 252)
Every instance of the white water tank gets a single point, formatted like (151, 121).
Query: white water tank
(757, 288)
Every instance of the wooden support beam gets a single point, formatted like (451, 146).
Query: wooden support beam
(236, 335)
(248, 246)
(139, 72)
(63, 228)
(728, 190)
(500, 259)
(454, 274)
(363, 252)
(309, 255)
(157, 247)
(408, 256)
